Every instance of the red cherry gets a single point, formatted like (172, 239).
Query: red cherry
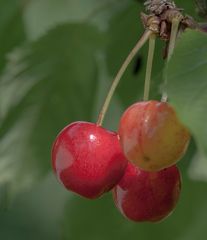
(151, 135)
(88, 159)
(147, 196)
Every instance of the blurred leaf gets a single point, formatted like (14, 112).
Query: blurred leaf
(54, 12)
(187, 85)
(99, 219)
(201, 8)
(36, 213)
(46, 85)
(197, 170)
(189, 7)
(11, 27)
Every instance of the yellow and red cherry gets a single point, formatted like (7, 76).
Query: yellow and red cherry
(151, 135)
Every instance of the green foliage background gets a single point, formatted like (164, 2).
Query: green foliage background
(57, 60)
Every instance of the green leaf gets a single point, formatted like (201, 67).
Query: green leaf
(35, 214)
(99, 219)
(46, 85)
(188, 6)
(187, 86)
(11, 27)
(197, 170)
(53, 12)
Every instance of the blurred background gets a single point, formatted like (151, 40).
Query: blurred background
(57, 60)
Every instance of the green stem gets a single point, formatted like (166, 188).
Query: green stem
(120, 73)
(149, 66)
(173, 37)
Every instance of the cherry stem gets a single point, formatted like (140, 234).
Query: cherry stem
(120, 73)
(173, 37)
(149, 67)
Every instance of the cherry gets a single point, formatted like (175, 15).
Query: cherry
(151, 135)
(88, 159)
(147, 196)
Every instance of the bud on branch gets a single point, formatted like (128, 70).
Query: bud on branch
(157, 7)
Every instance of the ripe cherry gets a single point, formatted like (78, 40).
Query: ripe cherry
(151, 135)
(147, 196)
(88, 159)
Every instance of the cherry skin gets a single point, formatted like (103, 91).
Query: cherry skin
(147, 196)
(151, 135)
(88, 159)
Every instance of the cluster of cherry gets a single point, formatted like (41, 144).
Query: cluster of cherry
(137, 163)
